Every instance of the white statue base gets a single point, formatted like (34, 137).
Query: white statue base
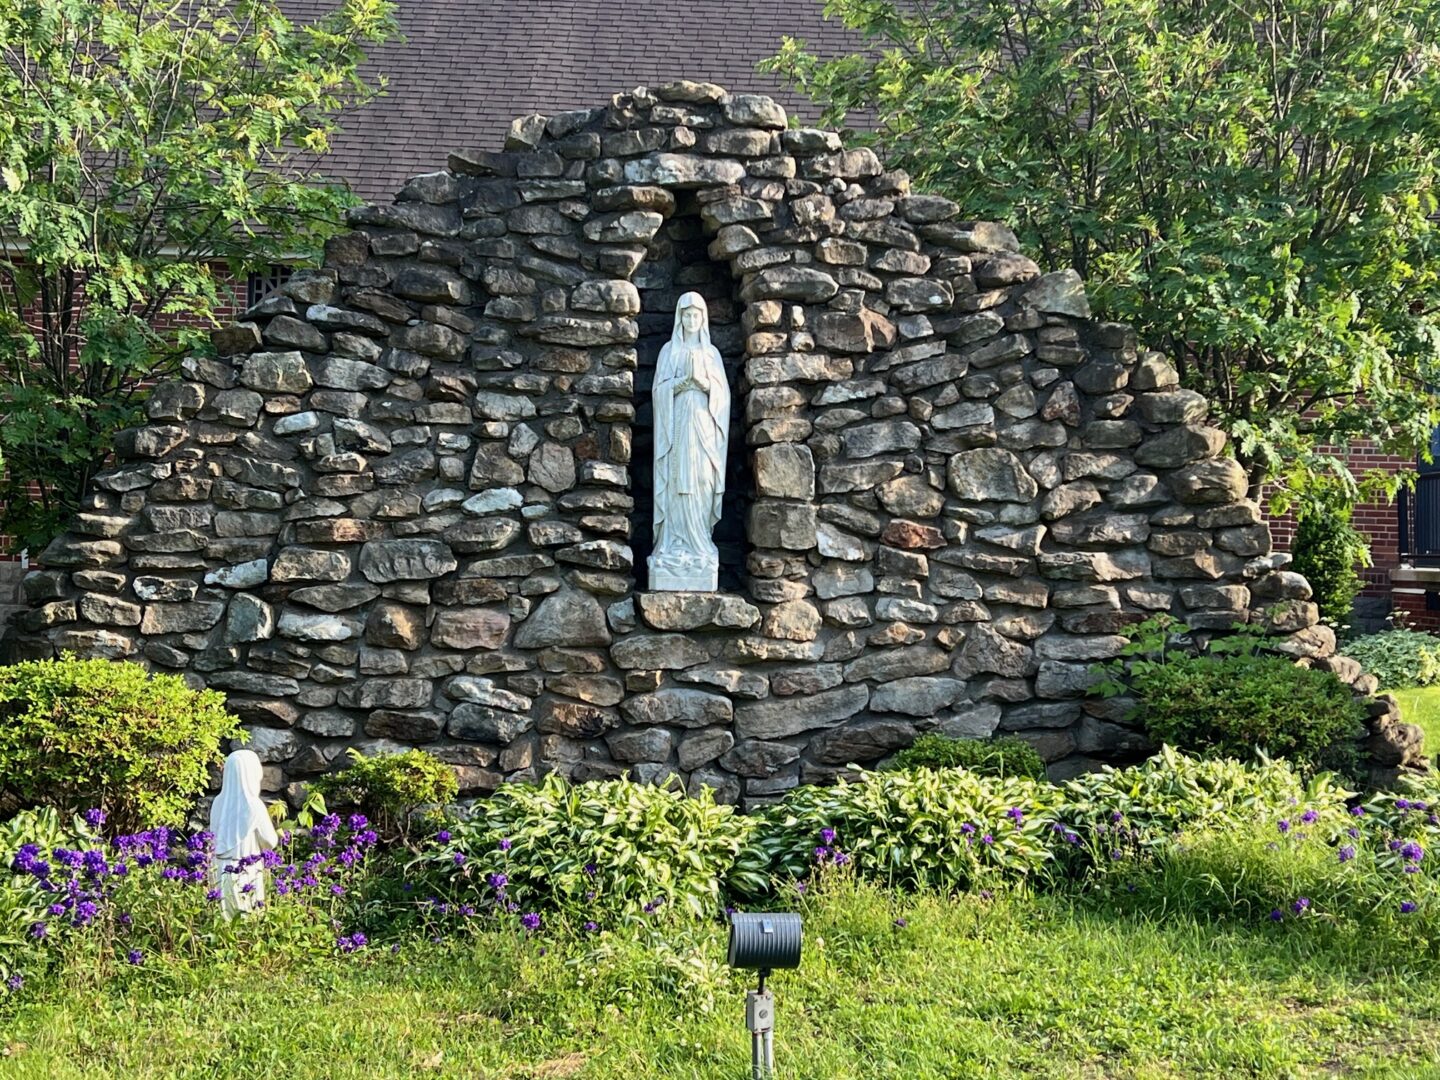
(669, 573)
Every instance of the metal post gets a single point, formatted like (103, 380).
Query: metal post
(760, 1019)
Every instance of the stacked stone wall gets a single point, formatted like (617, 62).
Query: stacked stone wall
(396, 507)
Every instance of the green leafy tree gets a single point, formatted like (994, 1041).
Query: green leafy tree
(143, 145)
(1251, 185)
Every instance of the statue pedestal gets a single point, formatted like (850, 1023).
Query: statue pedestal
(683, 575)
(695, 611)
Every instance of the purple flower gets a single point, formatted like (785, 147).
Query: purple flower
(591, 869)
(530, 920)
(94, 818)
(134, 958)
(967, 828)
(1412, 851)
(498, 881)
(443, 836)
(212, 894)
(38, 930)
(357, 822)
(592, 927)
(986, 894)
(458, 858)
(15, 982)
(1276, 915)
(1347, 853)
(987, 839)
(1402, 804)
(827, 836)
(1016, 815)
(1357, 811)
(1309, 817)
(900, 923)
(1407, 906)
(505, 844)
(1283, 825)
(1300, 905)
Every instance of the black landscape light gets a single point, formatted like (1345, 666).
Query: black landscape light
(765, 942)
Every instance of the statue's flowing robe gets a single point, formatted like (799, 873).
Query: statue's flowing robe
(691, 426)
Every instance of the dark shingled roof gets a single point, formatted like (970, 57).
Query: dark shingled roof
(469, 67)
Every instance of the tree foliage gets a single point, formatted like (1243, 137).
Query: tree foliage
(1251, 185)
(143, 144)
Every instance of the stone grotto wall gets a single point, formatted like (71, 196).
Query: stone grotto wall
(401, 504)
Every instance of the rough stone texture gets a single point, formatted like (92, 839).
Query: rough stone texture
(400, 508)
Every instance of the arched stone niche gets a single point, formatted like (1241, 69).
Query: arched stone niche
(397, 507)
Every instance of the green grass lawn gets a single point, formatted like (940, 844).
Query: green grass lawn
(1421, 705)
(1011, 987)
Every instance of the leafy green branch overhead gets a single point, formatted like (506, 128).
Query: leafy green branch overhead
(1251, 185)
(143, 145)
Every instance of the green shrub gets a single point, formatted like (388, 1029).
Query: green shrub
(612, 849)
(1234, 705)
(1327, 548)
(1173, 792)
(1398, 658)
(930, 828)
(76, 734)
(389, 788)
(1005, 756)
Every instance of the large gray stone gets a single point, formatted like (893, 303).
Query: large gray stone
(678, 707)
(568, 617)
(861, 741)
(791, 716)
(384, 561)
(886, 665)
(990, 474)
(918, 695)
(658, 652)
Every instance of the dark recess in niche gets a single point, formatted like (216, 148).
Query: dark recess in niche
(675, 263)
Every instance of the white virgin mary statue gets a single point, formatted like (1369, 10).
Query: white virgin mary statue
(692, 431)
(243, 832)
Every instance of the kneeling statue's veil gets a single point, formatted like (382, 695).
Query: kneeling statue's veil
(692, 432)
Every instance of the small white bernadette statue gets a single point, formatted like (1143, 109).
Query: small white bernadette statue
(243, 831)
(692, 430)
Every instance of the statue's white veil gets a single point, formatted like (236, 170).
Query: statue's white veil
(677, 332)
(237, 810)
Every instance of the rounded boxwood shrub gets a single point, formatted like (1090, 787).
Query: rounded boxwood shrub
(1005, 756)
(1237, 704)
(78, 734)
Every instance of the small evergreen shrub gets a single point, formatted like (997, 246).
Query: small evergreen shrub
(1226, 698)
(1005, 756)
(1327, 549)
(1233, 705)
(1398, 658)
(389, 788)
(99, 734)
